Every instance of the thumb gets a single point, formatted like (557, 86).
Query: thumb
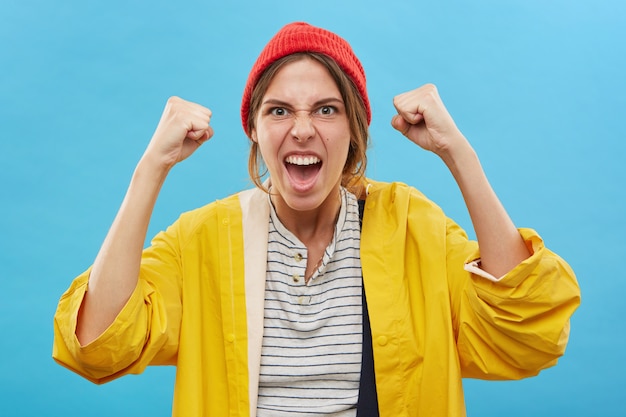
(202, 135)
(401, 125)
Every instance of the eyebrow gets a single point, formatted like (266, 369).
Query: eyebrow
(276, 102)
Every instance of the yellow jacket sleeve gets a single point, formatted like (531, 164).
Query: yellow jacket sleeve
(145, 331)
(517, 326)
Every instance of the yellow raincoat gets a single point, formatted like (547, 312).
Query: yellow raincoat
(199, 306)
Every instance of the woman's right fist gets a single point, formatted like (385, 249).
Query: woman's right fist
(183, 127)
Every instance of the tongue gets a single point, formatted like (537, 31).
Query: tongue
(303, 172)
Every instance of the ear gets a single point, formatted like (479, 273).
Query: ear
(253, 136)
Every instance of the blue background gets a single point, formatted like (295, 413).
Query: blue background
(537, 86)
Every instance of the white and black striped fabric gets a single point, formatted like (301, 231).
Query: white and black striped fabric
(311, 354)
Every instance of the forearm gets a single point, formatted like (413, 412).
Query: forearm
(115, 271)
(501, 246)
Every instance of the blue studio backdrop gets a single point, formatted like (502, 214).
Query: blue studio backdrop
(538, 87)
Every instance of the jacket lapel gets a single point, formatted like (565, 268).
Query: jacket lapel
(255, 219)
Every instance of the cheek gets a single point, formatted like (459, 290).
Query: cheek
(338, 151)
(342, 141)
(272, 134)
(268, 145)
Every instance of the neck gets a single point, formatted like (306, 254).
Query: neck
(313, 225)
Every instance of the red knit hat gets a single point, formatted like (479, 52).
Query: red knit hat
(302, 37)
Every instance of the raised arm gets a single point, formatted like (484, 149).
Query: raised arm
(423, 118)
(183, 127)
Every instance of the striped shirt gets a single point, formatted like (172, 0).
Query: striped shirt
(311, 353)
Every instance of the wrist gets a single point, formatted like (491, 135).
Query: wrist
(156, 167)
(151, 170)
(460, 156)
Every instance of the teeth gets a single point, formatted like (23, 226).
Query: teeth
(302, 160)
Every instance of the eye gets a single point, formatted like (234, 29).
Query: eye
(327, 110)
(278, 111)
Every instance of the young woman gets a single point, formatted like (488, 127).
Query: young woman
(318, 292)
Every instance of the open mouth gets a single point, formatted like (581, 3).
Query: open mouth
(303, 169)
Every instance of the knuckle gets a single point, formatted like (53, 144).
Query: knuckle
(432, 91)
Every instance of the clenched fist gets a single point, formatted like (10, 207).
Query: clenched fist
(423, 118)
(183, 127)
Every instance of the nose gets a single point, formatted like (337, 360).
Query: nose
(303, 128)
